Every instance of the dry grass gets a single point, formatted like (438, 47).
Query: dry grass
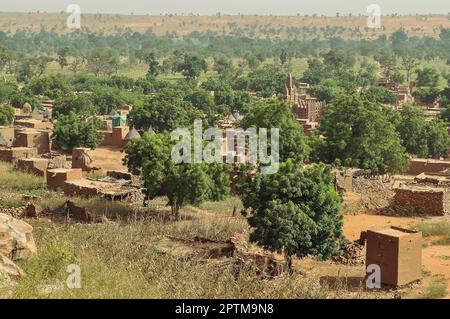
(119, 260)
(436, 289)
(15, 181)
(437, 229)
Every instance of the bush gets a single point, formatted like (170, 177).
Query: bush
(76, 131)
(6, 115)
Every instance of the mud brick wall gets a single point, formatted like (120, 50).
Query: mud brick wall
(72, 189)
(419, 167)
(118, 135)
(56, 178)
(36, 166)
(106, 138)
(39, 140)
(422, 202)
(15, 153)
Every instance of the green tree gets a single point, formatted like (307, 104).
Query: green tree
(183, 183)
(357, 132)
(51, 86)
(413, 131)
(427, 77)
(164, 112)
(76, 131)
(192, 66)
(438, 139)
(62, 57)
(78, 103)
(6, 115)
(107, 99)
(409, 64)
(268, 80)
(153, 65)
(224, 66)
(295, 211)
(277, 114)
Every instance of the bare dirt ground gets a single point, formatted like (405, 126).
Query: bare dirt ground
(107, 158)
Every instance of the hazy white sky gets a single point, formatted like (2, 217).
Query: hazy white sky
(275, 7)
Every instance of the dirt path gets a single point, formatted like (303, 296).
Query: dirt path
(355, 224)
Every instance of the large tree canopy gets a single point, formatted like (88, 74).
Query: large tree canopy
(357, 132)
(277, 114)
(295, 211)
(182, 183)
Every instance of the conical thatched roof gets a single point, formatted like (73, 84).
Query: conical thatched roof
(133, 134)
(151, 131)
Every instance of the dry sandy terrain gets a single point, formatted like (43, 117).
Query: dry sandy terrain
(182, 25)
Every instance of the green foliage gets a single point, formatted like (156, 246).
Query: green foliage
(427, 77)
(267, 80)
(278, 114)
(103, 62)
(182, 184)
(107, 99)
(6, 115)
(426, 95)
(381, 94)
(192, 66)
(326, 90)
(51, 86)
(296, 211)
(81, 104)
(413, 131)
(18, 99)
(164, 112)
(224, 66)
(74, 130)
(438, 139)
(357, 132)
(6, 91)
(421, 137)
(62, 57)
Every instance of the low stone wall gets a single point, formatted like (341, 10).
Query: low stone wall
(423, 201)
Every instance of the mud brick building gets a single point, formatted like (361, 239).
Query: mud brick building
(398, 252)
(38, 139)
(307, 109)
(13, 154)
(33, 123)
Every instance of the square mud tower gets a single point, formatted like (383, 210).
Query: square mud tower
(398, 252)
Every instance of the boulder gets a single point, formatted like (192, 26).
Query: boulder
(10, 269)
(16, 238)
